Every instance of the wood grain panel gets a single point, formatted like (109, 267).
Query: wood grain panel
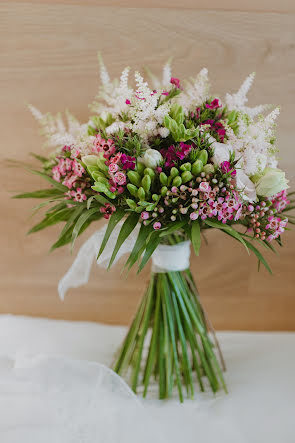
(48, 57)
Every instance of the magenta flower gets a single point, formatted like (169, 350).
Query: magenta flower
(128, 162)
(226, 168)
(175, 153)
(175, 81)
(214, 104)
(128, 102)
(105, 146)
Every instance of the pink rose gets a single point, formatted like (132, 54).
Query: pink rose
(120, 178)
(204, 187)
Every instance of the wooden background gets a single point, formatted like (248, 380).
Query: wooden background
(48, 58)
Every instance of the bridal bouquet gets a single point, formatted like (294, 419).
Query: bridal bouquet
(165, 163)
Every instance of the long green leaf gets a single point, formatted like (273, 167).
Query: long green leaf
(127, 227)
(140, 242)
(80, 222)
(259, 256)
(113, 221)
(196, 236)
(51, 219)
(154, 241)
(56, 184)
(172, 228)
(42, 193)
(228, 229)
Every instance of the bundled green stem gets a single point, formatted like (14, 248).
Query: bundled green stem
(180, 351)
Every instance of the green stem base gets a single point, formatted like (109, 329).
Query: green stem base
(180, 351)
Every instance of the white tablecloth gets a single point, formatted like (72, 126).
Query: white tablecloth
(52, 390)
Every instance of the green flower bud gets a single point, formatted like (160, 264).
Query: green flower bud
(186, 167)
(140, 167)
(186, 176)
(177, 181)
(134, 177)
(164, 191)
(175, 199)
(132, 189)
(155, 197)
(146, 182)
(131, 203)
(163, 178)
(174, 172)
(197, 167)
(209, 168)
(203, 156)
(141, 193)
(150, 172)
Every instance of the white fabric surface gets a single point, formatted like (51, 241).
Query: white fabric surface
(53, 390)
(172, 257)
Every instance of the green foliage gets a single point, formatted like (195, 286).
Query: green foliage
(178, 131)
(196, 236)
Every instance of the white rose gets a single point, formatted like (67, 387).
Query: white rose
(246, 186)
(152, 158)
(272, 181)
(221, 152)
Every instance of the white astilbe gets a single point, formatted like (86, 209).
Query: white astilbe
(196, 91)
(238, 100)
(112, 95)
(166, 77)
(145, 115)
(253, 143)
(59, 134)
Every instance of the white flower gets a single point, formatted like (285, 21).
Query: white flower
(163, 132)
(221, 152)
(151, 158)
(271, 182)
(115, 127)
(246, 186)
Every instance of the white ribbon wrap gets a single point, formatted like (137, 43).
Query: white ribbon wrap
(165, 258)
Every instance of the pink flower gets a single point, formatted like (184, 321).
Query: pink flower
(78, 195)
(204, 187)
(56, 173)
(120, 178)
(116, 158)
(78, 168)
(175, 81)
(113, 167)
(107, 210)
(105, 146)
(157, 225)
(194, 216)
(128, 102)
(69, 181)
(145, 215)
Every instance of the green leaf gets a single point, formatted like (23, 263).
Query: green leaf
(113, 221)
(51, 219)
(143, 234)
(80, 222)
(153, 242)
(172, 227)
(75, 214)
(259, 256)
(56, 184)
(42, 193)
(228, 229)
(128, 226)
(196, 236)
